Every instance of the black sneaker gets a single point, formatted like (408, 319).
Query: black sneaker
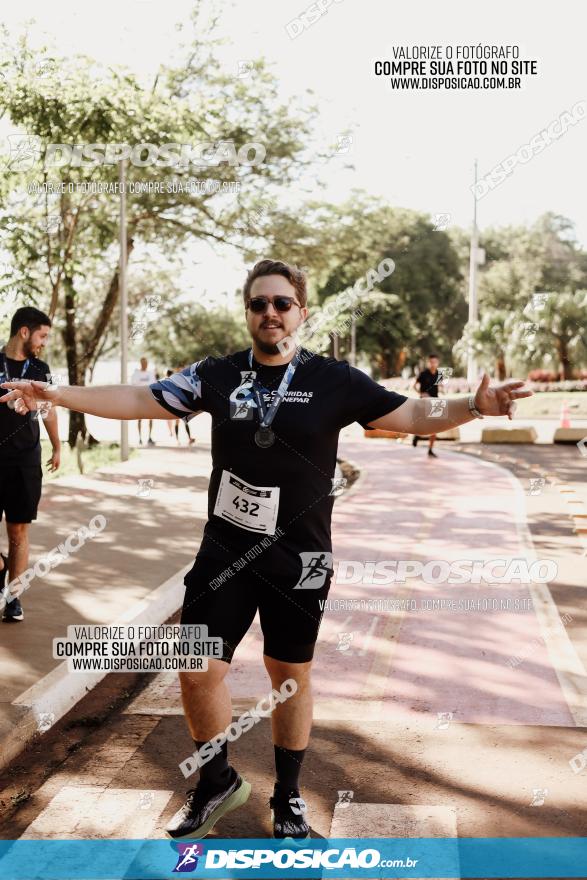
(13, 612)
(205, 806)
(432, 454)
(415, 439)
(288, 814)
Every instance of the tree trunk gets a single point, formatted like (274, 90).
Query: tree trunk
(565, 365)
(400, 362)
(382, 361)
(500, 368)
(77, 365)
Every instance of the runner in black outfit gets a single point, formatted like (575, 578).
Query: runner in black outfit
(21, 474)
(269, 512)
(427, 385)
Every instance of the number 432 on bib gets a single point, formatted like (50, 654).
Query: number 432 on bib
(249, 507)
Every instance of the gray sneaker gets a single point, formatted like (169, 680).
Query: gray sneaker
(204, 807)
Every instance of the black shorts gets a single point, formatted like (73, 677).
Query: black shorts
(290, 618)
(20, 492)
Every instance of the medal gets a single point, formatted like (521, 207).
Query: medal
(264, 438)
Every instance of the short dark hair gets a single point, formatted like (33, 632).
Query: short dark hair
(430, 356)
(29, 317)
(294, 275)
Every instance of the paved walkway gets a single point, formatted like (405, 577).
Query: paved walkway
(148, 537)
(404, 664)
(422, 717)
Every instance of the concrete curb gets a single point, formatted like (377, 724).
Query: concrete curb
(569, 435)
(509, 435)
(451, 434)
(58, 691)
(371, 433)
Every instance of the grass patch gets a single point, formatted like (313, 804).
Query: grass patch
(547, 404)
(98, 456)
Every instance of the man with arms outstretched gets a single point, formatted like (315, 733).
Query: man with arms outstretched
(276, 418)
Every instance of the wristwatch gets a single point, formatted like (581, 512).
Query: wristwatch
(473, 409)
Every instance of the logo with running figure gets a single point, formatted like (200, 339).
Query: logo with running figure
(187, 860)
(242, 399)
(316, 567)
(298, 806)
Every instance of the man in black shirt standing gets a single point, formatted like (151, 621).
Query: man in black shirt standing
(427, 385)
(20, 446)
(276, 417)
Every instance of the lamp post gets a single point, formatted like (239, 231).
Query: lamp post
(123, 304)
(473, 310)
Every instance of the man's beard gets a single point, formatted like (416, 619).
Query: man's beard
(266, 347)
(28, 349)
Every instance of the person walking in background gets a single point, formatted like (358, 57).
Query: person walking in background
(191, 440)
(144, 376)
(173, 424)
(427, 384)
(21, 474)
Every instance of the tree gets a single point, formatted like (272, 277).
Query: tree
(338, 244)
(64, 244)
(558, 331)
(491, 340)
(523, 264)
(187, 332)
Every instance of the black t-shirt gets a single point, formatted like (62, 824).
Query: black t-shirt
(323, 397)
(428, 382)
(20, 435)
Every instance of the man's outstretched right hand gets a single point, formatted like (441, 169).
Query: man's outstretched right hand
(28, 394)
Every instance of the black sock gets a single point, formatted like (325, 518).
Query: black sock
(217, 772)
(288, 764)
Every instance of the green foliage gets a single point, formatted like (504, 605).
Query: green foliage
(63, 245)
(512, 332)
(418, 308)
(184, 333)
(556, 335)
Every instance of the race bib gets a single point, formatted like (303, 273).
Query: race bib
(250, 507)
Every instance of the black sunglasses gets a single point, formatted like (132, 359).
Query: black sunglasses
(258, 304)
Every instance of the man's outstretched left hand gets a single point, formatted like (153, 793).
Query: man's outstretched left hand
(499, 400)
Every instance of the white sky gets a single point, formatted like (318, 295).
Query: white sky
(415, 149)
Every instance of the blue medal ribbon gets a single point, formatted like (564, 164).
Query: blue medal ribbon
(266, 416)
(10, 378)
(10, 403)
